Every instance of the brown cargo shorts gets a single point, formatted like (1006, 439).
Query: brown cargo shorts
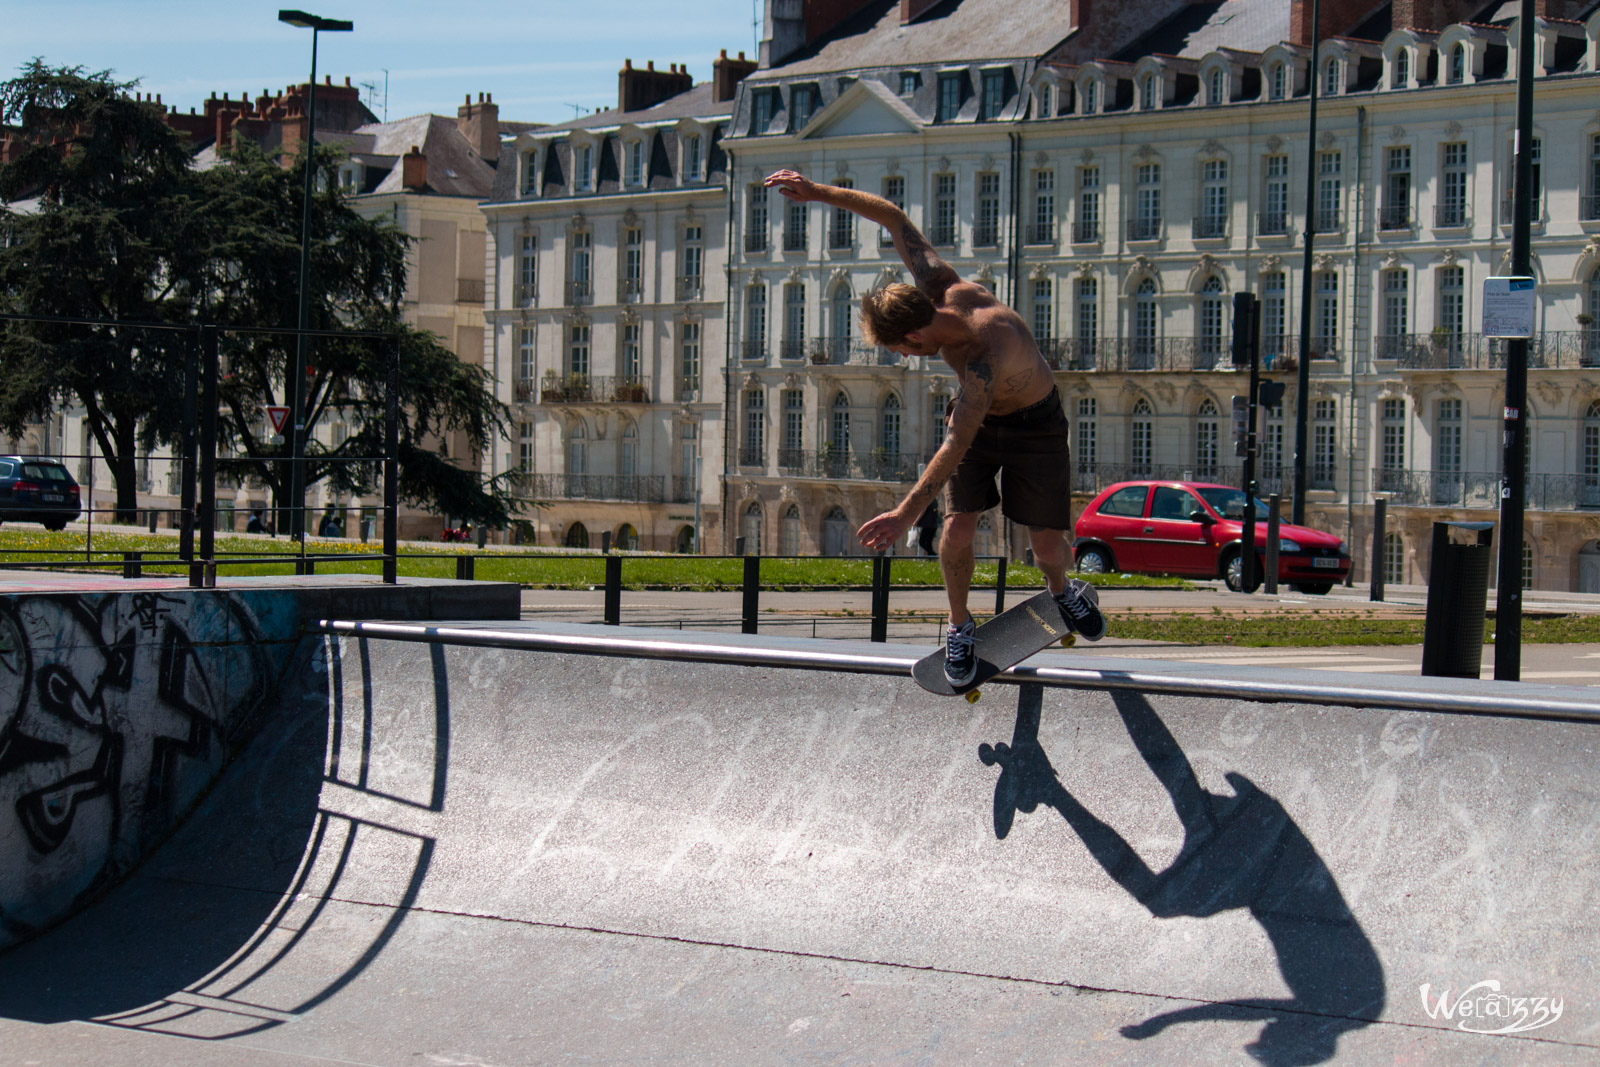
(1028, 450)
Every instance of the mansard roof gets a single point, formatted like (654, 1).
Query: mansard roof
(957, 31)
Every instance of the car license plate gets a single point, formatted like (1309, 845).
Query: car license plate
(51, 498)
(1326, 562)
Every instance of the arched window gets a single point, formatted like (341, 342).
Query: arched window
(1144, 326)
(1217, 91)
(1089, 97)
(789, 532)
(1589, 490)
(1147, 93)
(578, 450)
(752, 528)
(1402, 70)
(577, 536)
(1206, 435)
(1211, 349)
(683, 544)
(628, 461)
(1457, 72)
(627, 538)
(1394, 557)
(1331, 71)
(1045, 102)
(1141, 439)
(889, 428)
(841, 316)
(1277, 81)
(1043, 311)
(1591, 329)
(835, 533)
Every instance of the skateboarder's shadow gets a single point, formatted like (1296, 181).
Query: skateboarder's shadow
(1240, 851)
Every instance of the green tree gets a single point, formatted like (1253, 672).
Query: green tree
(97, 216)
(105, 218)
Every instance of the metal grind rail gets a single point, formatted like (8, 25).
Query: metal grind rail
(1268, 685)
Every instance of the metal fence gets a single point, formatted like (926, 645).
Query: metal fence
(1481, 489)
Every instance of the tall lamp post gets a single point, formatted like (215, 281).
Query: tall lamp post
(297, 378)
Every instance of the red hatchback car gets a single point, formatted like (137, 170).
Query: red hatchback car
(1194, 529)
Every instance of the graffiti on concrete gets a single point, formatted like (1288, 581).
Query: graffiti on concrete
(115, 710)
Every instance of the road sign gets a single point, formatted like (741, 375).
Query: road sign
(279, 417)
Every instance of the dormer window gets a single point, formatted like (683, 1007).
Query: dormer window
(530, 172)
(1277, 81)
(761, 110)
(1402, 70)
(1217, 87)
(693, 157)
(802, 105)
(635, 166)
(910, 82)
(1330, 78)
(994, 93)
(350, 178)
(1045, 102)
(1089, 98)
(1456, 72)
(583, 167)
(950, 93)
(1148, 86)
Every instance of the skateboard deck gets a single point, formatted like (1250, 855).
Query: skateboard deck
(1005, 641)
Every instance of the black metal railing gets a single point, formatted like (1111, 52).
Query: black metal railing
(839, 463)
(1086, 232)
(1394, 217)
(1481, 489)
(522, 390)
(755, 242)
(1090, 478)
(1210, 227)
(1552, 350)
(1329, 220)
(1272, 224)
(1508, 210)
(753, 351)
(593, 388)
(793, 348)
(1144, 229)
(579, 294)
(1450, 216)
(752, 456)
(1041, 233)
(688, 388)
(690, 287)
(841, 238)
(839, 351)
(640, 488)
(1121, 355)
(630, 290)
(794, 239)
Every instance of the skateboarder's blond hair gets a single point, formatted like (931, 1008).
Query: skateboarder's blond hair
(888, 314)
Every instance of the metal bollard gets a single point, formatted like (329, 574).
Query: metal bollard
(752, 593)
(131, 565)
(465, 565)
(151, 515)
(613, 604)
(1000, 588)
(1380, 510)
(1272, 543)
(880, 598)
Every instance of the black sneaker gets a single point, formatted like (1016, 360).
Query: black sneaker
(1080, 606)
(960, 661)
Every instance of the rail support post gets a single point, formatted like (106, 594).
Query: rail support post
(752, 593)
(613, 607)
(880, 598)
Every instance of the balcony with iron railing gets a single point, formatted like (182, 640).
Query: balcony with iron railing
(1112, 355)
(851, 351)
(689, 389)
(1086, 232)
(1272, 224)
(630, 290)
(1329, 220)
(1443, 350)
(579, 294)
(1394, 217)
(753, 352)
(690, 287)
(794, 239)
(943, 235)
(1508, 210)
(522, 390)
(1451, 216)
(557, 388)
(1041, 233)
(841, 238)
(756, 241)
(1209, 228)
(986, 235)
(1481, 489)
(793, 349)
(752, 457)
(876, 466)
(1090, 478)
(1144, 229)
(636, 488)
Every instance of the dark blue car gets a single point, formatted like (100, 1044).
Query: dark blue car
(35, 489)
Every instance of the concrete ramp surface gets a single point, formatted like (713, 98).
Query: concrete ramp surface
(495, 846)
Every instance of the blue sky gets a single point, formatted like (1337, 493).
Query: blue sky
(537, 57)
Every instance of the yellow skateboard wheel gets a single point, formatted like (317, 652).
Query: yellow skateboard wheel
(1069, 640)
(973, 695)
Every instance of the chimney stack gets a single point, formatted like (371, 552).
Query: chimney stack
(414, 171)
(639, 89)
(480, 124)
(726, 74)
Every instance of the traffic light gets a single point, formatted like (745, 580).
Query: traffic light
(1270, 394)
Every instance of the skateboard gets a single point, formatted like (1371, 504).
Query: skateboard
(1005, 641)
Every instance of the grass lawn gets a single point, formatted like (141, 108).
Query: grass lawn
(531, 567)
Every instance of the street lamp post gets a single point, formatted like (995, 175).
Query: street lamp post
(297, 377)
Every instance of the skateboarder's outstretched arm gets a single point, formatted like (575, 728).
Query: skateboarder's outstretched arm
(931, 274)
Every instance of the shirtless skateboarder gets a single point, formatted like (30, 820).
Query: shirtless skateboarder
(1006, 420)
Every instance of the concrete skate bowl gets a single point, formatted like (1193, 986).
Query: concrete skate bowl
(1216, 862)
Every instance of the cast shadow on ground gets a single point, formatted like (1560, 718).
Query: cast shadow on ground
(1239, 851)
(185, 945)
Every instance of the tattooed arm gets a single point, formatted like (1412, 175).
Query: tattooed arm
(972, 405)
(932, 274)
